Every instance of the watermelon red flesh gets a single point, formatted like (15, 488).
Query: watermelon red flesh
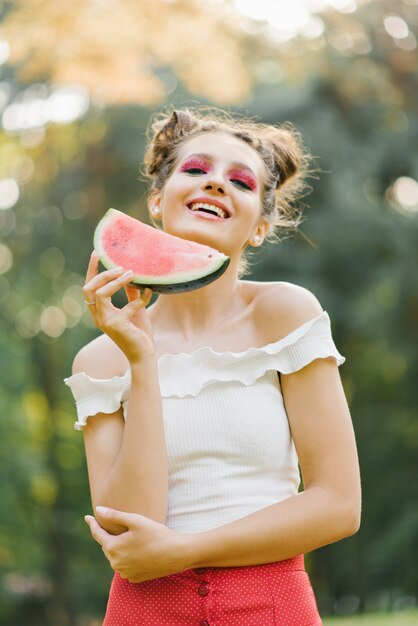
(156, 257)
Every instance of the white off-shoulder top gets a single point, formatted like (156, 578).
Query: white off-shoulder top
(230, 449)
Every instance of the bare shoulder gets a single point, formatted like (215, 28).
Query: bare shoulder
(100, 358)
(281, 307)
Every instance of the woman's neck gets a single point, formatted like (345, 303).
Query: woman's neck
(198, 312)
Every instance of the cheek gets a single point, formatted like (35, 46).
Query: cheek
(170, 193)
(177, 185)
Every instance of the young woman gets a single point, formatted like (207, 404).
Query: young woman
(231, 388)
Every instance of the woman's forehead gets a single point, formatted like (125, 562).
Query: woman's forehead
(223, 146)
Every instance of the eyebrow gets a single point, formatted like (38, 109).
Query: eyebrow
(204, 155)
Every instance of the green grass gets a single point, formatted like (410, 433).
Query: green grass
(400, 618)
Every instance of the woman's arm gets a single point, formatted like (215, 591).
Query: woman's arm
(127, 461)
(327, 510)
(130, 472)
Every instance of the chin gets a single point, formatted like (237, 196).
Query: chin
(193, 233)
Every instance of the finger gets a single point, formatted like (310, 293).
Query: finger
(113, 285)
(119, 517)
(94, 280)
(133, 311)
(93, 266)
(146, 295)
(134, 293)
(99, 280)
(103, 288)
(98, 533)
(143, 294)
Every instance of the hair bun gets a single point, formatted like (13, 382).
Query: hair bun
(287, 154)
(166, 132)
(183, 120)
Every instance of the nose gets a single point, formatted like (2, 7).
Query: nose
(214, 182)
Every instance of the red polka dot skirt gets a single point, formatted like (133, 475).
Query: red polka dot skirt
(272, 594)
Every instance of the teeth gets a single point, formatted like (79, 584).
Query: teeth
(210, 207)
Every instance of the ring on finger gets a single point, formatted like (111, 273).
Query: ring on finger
(89, 303)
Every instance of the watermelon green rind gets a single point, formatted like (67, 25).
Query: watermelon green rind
(187, 285)
(190, 254)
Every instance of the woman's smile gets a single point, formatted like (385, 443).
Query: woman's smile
(204, 207)
(206, 215)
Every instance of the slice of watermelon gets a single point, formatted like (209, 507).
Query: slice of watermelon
(163, 262)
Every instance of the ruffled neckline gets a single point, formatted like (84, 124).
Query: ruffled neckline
(210, 351)
(188, 373)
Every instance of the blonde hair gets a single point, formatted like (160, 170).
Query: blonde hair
(279, 146)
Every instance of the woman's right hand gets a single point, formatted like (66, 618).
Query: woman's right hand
(129, 327)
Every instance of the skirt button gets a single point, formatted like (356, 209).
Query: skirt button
(203, 590)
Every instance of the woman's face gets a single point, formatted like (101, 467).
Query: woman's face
(214, 195)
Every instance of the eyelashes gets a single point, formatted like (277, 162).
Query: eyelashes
(194, 170)
(241, 183)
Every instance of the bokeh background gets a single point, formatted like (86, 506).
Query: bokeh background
(78, 83)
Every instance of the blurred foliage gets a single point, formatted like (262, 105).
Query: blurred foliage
(74, 113)
(130, 44)
(398, 618)
(130, 52)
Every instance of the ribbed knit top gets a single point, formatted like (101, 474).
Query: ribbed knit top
(230, 449)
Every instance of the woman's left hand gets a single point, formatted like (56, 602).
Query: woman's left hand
(146, 550)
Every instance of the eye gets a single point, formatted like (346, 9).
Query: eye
(240, 183)
(243, 179)
(194, 170)
(194, 166)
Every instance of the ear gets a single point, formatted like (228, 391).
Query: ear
(259, 234)
(154, 205)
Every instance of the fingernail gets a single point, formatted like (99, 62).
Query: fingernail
(86, 518)
(126, 274)
(102, 510)
(116, 270)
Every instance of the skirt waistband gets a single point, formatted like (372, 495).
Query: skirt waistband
(296, 563)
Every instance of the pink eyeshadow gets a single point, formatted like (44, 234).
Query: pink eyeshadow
(195, 163)
(245, 177)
